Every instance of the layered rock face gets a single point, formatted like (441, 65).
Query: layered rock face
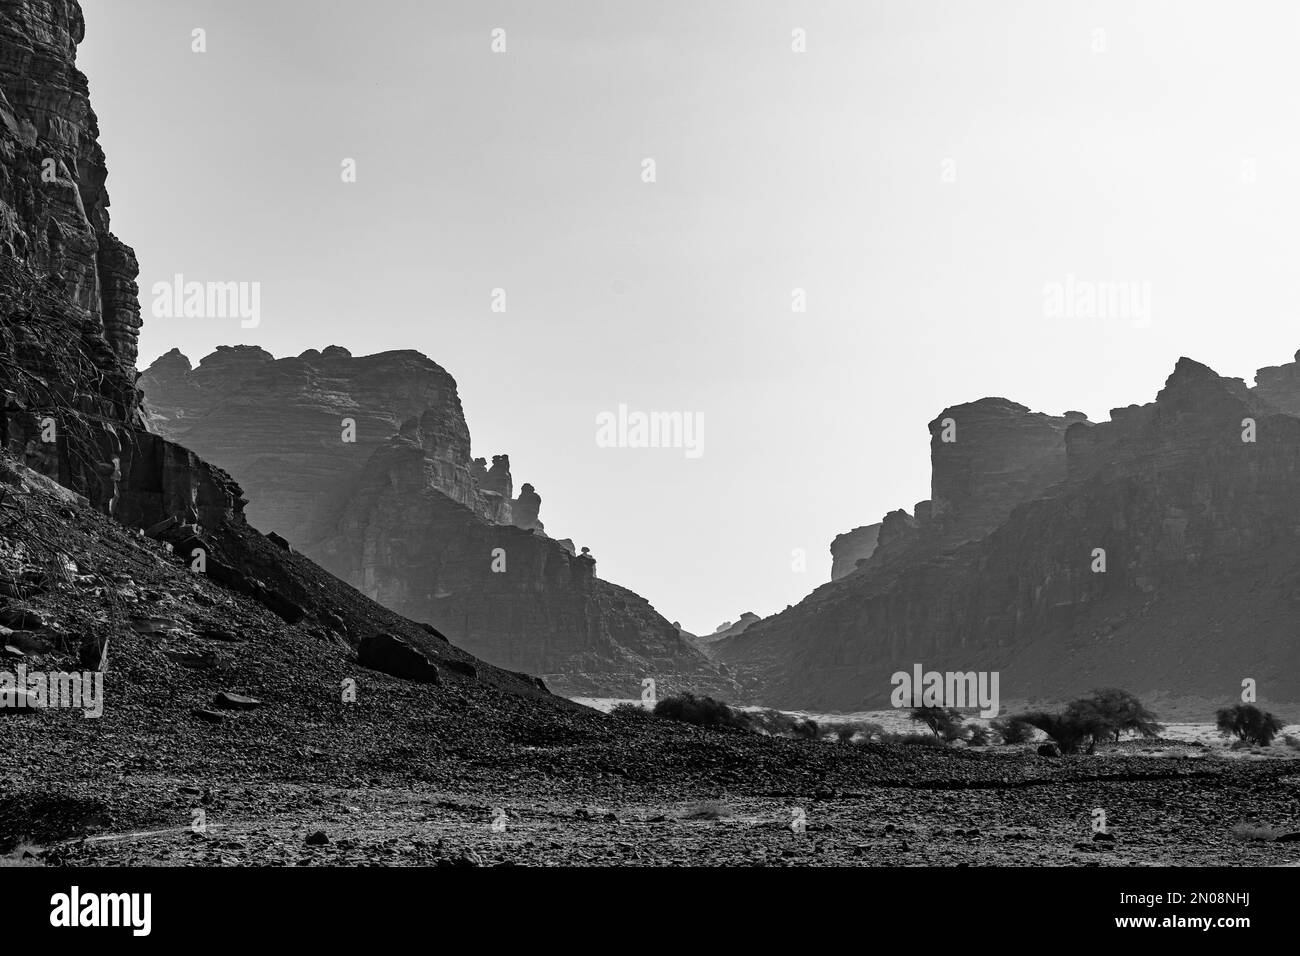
(69, 308)
(1157, 551)
(406, 515)
(851, 547)
(69, 319)
(294, 430)
(53, 206)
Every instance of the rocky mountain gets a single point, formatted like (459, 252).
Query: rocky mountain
(73, 424)
(1158, 551)
(364, 465)
(290, 429)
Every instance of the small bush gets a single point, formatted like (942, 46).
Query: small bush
(700, 710)
(779, 724)
(977, 735)
(774, 723)
(857, 731)
(1070, 732)
(1013, 730)
(630, 710)
(1248, 724)
(807, 729)
(945, 723)
(1118, 711)
(911, 740)
(1086, 722)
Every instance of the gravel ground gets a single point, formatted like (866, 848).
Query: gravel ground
(484, 769)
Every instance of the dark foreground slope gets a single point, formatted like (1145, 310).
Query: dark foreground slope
(405, 514)
(1201, 542)
(482, 767)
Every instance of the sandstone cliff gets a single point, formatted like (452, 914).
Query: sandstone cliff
(69, 320)
(1200, 542)
(404, 513)
(69, 308)
(851, 547)
(293, 429)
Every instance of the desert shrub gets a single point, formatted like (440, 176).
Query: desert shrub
(1070, 732)
(862, 730)
(806, 728)
(1119, 710)
(1248, 724)
(630, 710)
(1013, 730)
(1292, 742)
(952, 732)
(1086, 722)
(977, 735)
(701, 710)
(911, 740)
(870, 730)
(772, 722)
(945, 723)
(779, 724)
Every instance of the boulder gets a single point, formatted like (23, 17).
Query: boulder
(399, 658)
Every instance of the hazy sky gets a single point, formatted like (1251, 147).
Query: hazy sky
(924, 170)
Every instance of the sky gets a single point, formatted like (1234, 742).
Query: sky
(929, 174)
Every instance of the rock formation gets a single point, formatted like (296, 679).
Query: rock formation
(292, 429)
(851, 547)
(53, 205)
(72, 415)
(406, 514)
(69, 308)
(709, 642)
(1196, 526)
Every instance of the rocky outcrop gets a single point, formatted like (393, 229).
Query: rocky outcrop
(1157, 551)
(53, 205)
(404, 513)
(294, 431)
(1279, 386)
(710, 642)
(69, 308)
(851, 547)
(72, 416)
(392, 655)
